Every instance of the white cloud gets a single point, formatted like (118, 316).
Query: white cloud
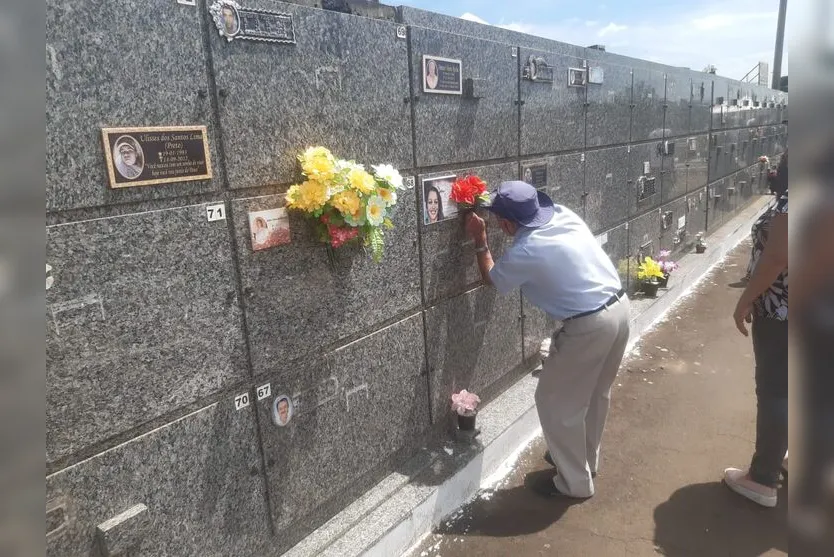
(734, 38)
(472, 17)
(591, 23)
(611, 28)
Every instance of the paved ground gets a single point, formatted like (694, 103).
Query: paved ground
(683, 410)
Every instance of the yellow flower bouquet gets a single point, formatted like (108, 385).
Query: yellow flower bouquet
(649, 270)
(347, 203)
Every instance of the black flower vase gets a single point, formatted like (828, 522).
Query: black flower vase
(467, 423)
(664, 282)
(650, 289)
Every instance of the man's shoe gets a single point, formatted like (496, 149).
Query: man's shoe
(544, 485)
(549, 460)
(740, 482)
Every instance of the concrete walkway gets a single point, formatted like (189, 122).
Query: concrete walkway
(683, 409)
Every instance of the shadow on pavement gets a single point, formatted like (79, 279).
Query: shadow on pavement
(509, 512)
(709, 519)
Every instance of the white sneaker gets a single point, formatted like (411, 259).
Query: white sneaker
(740, 482)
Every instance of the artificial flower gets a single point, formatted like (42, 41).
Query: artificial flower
(649, 270)
(361, 181)
(389, 196)
(376, 210)
(344, 200)
(340, 235)
(356, 219)
(467, 191)
(319, 163)
(388, 173)
(465, 402)
(347, 202)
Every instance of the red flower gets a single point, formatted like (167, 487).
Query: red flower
(340, 235)
(465, 191)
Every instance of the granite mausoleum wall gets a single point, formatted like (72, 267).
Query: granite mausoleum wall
(159, 319)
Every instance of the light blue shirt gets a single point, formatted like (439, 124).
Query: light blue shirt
(560, 267)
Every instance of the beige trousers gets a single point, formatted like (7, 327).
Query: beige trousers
(574, 393)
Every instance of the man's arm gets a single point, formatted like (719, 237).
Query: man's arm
(476, 227)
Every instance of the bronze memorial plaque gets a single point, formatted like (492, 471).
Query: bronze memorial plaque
(156, 155)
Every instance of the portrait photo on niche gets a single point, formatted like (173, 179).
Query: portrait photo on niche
(436, 203)
(269, 228)
(282, 410)
(128, 157)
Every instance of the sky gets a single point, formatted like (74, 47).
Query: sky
(732, 36)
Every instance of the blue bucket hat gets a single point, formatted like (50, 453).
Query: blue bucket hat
(522, 203)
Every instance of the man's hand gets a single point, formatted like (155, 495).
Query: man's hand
(743, 314)
(476, 228)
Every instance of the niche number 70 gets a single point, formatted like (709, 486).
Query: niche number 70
(241, 401)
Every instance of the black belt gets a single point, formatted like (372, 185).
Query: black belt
(611, 301)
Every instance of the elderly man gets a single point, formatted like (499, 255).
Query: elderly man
(560, 268)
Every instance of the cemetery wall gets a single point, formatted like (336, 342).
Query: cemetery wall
(160, 316)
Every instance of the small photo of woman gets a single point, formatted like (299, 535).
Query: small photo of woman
(431, 74)
(436, 203)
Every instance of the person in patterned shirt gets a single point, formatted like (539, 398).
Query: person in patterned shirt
(764, 302)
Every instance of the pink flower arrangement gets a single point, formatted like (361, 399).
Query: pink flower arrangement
(666, 265)
(465, 403)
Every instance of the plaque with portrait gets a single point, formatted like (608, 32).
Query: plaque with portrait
(436, 203)
(535, 175)
(156, 155)
(234, 21)
(442, 75)
(577, 77)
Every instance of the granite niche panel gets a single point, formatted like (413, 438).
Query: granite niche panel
(450, 265)
(674, 169)
(697, 162)
(92, 82)
(299, 300)
(673, 231)
(552, 114)
(353, 413)
(717, 140)
(609, 193)
(643, 240)
(644, 234)
(720, 102)
(608, 117)
(260, 87)
(649, 97)
(482, 123)
(200, 479)
(701, 96)
(734, 116)
(615, 244)
(678, 100)
(716, 204)
(472, 341)
(142, 317)
(564, 179)
(644, 179)
(696, 213)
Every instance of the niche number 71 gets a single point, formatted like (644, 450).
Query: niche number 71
(215, 212)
